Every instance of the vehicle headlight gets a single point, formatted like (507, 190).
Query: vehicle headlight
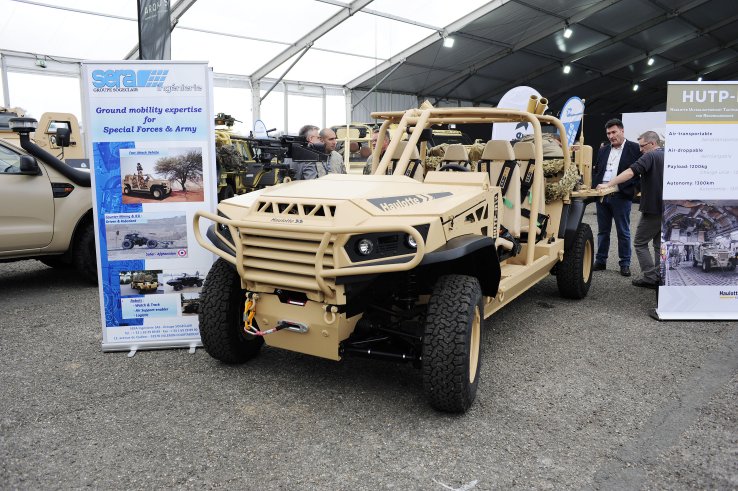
(365, 247)
(411, 242)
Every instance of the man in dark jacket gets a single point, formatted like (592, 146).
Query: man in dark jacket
(651, 169)
(612, 159)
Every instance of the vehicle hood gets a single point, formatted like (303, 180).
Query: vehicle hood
(376, 195)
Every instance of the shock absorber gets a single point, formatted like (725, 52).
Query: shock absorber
(408, 296)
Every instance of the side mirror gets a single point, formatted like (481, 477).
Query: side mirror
(63, 137)
(29, 166)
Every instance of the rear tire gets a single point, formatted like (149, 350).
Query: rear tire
(574, 274)
(452, 342)
(221, 317)
(127, 244)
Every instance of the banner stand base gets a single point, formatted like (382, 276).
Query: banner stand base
(132, 353)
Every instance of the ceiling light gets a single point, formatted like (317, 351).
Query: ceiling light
(651, 61)
(568, 32)
(635, 87)
(567, 68)
(448, 42)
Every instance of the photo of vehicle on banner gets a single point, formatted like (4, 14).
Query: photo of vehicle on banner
(152, 138)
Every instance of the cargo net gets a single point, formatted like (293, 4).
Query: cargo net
(553, 166)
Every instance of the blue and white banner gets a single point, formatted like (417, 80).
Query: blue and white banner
(151, 138)
(571, 117)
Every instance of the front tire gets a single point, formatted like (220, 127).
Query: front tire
(706, 265)
(452, 342)
(574, 275)
(84, 256)
(221, 317)
(126, 189)
(127, 244)
(157, 193)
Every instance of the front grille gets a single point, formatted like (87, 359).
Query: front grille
(275, 207)
(284, 259)
(723, 256)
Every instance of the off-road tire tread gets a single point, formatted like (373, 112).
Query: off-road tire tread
(221, 318)
(446, 339)
(570, 269)
(84, 256)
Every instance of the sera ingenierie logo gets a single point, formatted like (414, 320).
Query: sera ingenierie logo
(127, 80)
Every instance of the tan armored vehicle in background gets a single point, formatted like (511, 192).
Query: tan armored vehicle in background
(402, 266)
(711, 255)
(46, 203)
(144, 281)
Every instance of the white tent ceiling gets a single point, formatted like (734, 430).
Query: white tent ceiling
(397, 47)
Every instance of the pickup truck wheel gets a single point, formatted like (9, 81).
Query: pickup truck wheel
(574, 275)
(84, 256)
(452, 342)
(127, 244)
(221, 317)
(157, 193)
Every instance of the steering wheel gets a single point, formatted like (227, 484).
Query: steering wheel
(453, 167)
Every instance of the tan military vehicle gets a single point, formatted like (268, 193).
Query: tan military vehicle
(710, 255)
(46, 204)
(56, 133)
(146, 184)
(404, 266)
(144, 281)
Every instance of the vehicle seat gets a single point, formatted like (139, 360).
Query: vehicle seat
(499, 160)
(525, 154)
(456, 154)
(415, 167)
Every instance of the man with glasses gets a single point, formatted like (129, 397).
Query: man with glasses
(613, 159)
(650, 167)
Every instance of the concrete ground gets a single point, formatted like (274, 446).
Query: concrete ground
(589, 394)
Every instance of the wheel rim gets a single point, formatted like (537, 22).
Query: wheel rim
(474, 345)
(587, 267)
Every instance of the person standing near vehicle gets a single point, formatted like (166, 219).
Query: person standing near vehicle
(385, 144)
(335, 159)
(312, 170)
(650, 167)
(612, 160)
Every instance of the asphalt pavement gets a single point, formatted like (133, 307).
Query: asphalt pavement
(590, 394)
